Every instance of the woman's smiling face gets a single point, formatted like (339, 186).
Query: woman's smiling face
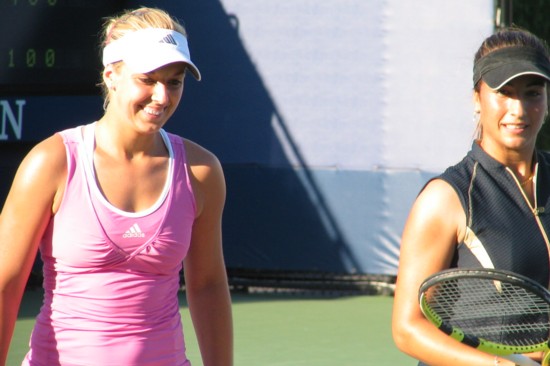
(512, 116)
(147, 100)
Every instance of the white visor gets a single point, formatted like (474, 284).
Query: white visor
(148, 49)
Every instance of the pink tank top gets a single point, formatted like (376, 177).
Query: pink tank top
(111, 278)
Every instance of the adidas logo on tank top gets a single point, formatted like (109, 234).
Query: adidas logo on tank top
(134, 232)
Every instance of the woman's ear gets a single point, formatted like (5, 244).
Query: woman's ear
(477, 104)
(109, 76)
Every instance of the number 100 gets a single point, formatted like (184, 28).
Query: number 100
(32, 58)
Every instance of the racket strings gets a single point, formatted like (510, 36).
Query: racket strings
(497, 311)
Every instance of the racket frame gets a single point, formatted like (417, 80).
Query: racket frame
(484, 273)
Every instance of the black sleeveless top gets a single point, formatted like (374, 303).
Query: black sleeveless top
(513, 234)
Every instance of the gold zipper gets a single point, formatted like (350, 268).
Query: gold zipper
(536, 210)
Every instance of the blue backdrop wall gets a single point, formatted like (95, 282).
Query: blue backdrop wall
(328, 117)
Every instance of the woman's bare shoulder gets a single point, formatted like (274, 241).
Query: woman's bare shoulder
(49, 154)
(438, 206)
(44, 168)
(198, 155)
(437, 189)
(207, 177)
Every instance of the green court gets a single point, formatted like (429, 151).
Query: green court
(283, 330)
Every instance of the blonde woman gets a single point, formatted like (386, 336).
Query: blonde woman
(115, 207)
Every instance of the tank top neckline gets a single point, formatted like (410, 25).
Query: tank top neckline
(87, 137)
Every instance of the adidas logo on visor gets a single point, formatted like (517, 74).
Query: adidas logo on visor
(169, 39)
(134, 232)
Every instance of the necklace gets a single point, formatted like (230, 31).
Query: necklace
(526, 181)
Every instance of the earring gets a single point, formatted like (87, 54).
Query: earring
(476, 118)
(478, 131)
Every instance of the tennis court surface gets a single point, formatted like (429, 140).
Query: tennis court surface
(273, 329)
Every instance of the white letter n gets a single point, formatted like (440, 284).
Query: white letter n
(7, 115)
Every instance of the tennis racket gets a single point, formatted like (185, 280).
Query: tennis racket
(495, 311)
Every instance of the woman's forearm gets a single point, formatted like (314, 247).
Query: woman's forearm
(210, 310)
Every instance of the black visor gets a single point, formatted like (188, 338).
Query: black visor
(499, 67)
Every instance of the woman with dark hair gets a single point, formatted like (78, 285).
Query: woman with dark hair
(489, 209)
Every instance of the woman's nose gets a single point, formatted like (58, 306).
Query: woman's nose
(160, 94)
(515, 107)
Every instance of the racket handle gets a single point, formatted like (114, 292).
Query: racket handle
(546, 359)
(521, 360)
